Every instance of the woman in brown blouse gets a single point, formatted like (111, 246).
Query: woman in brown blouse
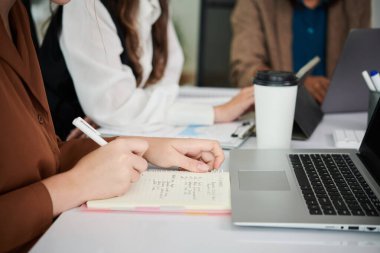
(40, 176)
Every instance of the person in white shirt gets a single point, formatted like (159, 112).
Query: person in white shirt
(125, 60)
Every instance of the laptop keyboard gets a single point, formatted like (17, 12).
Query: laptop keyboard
(332, 185)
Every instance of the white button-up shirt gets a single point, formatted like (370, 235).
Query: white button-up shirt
(106, 88)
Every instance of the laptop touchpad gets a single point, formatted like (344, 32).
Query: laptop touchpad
(263, 181)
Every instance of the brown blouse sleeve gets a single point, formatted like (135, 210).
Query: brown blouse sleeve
(25, 213)
(72, 151)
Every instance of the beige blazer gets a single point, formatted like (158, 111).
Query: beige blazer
(29, 148)
(262, 34)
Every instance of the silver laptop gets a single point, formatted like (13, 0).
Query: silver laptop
(348, 91)
(320, 189)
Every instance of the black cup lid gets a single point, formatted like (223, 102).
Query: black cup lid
(275, 78)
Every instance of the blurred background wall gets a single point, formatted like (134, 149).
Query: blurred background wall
(215, 34)
(187, 15)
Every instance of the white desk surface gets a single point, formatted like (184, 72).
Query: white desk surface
(95, 232)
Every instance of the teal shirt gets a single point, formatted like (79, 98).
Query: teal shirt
(309, 37)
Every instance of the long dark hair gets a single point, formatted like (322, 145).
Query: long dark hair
(126, 11)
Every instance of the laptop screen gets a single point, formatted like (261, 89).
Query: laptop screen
(370, 147)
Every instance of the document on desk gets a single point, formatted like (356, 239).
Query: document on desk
(209, 92)
(230, 135)
(206, 95)
(173, 191)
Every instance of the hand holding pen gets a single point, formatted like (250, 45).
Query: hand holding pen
(87, 129)
(194, 155)
(103, 173)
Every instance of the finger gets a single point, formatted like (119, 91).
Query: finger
(318, 97)
(190, 164)
(325, 82)
(208, 158)
(136, 146)
(314, 91)
(139, 164)
(75, 133)
(135, 176)
(325, 87)
(321, 92)
(91, 122)
(94, 125)
(194, 146)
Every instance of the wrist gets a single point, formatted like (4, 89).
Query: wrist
(65, 192)
(221, 113)
(218, 114)
(76, 183)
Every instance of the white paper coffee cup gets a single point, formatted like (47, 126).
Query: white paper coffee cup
(275, 100)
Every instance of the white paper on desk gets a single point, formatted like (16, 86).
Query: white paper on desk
(206, 92)
(218, 132)
(204, 100)
(206, 95)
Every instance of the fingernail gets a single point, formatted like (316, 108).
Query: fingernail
(202, 167)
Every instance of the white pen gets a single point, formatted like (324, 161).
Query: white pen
(375, 77)
(368, 80)
(89, 131)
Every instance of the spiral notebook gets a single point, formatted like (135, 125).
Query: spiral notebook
(173, 191)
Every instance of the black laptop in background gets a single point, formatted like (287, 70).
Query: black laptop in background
(307, 115)
(348, 91)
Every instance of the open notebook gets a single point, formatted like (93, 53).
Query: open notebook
(173, 191)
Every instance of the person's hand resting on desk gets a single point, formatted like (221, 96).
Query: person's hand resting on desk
(227, 112)
(236, 107)
(317, 87)
(194, 155)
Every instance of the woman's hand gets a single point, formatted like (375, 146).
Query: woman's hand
(104, 173)
(236, 107)
(109, 170)
(190, 154)
(317, 87)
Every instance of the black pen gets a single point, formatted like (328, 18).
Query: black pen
(243, 130)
